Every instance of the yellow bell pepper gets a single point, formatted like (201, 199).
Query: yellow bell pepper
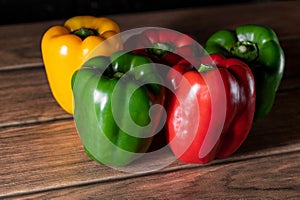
(65, 48)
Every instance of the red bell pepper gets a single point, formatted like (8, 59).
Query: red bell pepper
(167, 47)
(164, 46)
(212, 111)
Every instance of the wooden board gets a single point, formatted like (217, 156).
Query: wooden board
(41, 156)
(251, 179)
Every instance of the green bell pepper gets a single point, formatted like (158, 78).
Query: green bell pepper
(112, 101)
(259, 47)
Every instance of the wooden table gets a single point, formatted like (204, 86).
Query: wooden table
(41, 155)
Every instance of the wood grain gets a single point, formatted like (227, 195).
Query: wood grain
(279, 128)
(44, 156)
(50, 155)
(26, 98)
(264, 178)
(20, 44)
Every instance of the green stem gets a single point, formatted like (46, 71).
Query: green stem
(85, 32)
(246, 51)
(161, 48)
(118, 75)
(205, 68)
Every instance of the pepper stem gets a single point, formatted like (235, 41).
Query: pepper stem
(246, 51)
(118, 75)
(161, 48)
(205, 68)
(85, 32)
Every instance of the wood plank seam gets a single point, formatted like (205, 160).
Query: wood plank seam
(229, 160)
(70, 117)
(21, 66)
(34, 122)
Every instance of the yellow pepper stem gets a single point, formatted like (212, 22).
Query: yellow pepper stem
(85, 32)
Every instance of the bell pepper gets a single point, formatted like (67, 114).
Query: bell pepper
(164, 46)
(167, 47)
(113, 96)
(213, 111)
(65, 48)
(259, 47)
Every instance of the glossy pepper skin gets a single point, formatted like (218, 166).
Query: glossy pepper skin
(112, 98)
(259, 47)
(213, 112)
(65, 48)
(164, 46)
(167, 47)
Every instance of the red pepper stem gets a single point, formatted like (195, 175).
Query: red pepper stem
(85, 32)
(161, 48)
(245, 50)
(205, 68)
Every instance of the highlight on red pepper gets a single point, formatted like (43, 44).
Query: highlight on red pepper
(218, 102)
(165, 47)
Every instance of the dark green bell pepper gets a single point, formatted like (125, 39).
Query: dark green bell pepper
(112, 99)
(258, 46)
